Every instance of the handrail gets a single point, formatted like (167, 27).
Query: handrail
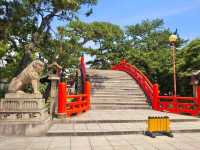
(173, 104)
(82, 100)
(83, 72)
(136, 74)
(179, 104)
(81, 103)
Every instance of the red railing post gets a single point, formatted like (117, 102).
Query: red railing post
(198, 95)
(155, 101)
(83, 72)
(87, 93)
(62, 98)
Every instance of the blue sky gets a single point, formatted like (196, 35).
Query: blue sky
(181, 14)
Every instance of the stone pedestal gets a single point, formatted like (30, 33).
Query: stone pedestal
(23, 114)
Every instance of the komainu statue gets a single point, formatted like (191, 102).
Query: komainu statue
(30, 75)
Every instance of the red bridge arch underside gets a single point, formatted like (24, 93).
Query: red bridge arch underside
(173, 104)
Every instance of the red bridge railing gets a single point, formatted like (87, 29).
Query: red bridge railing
(136, 74)
(178, 104)
(81, 102)
(173, 104)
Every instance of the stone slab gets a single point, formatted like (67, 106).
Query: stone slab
(179, 142)
(28, 128)
(113, 115)
(22, 95)
(116, 128)
(12, 104)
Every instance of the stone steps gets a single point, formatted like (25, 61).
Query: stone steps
(130, 97)
(130, 83)
(114, 102)
(120, 103)
(136, 95)
(104, 92)
(115, 90)
(119, 92)
(110, 79)
(113, 80)
(118, 122)
(94, 129)
(117, 99)
(102, 106)
(96, 94)
(116, 107)
(115, 87)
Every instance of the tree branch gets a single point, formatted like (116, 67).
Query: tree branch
(46, 20)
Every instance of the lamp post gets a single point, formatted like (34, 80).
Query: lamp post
(173, 39)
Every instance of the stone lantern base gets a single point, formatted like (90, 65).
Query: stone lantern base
(23, 115)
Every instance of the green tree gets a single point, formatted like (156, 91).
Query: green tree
(150, 51)
(101, 40)
(188, 60)
(27, 24)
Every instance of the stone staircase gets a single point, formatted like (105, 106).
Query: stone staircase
(114, 90)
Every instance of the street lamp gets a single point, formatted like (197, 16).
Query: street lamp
(173, 40)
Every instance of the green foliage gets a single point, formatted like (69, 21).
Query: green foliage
(150, 51)
(189, 58)
(3, 48)
(27, 25)
(148, 35)
(71, 99)
(43, 87)
(8, 61)
(145, 45)
(105, 37)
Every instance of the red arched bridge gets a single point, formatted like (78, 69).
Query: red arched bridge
(173, 104)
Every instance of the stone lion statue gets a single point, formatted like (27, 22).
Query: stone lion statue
(30, 75)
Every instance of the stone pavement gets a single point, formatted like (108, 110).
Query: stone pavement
(116, 122)
(128, 114)
(89, 129)
(181, 141)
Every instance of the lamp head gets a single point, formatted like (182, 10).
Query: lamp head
(173, 38)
